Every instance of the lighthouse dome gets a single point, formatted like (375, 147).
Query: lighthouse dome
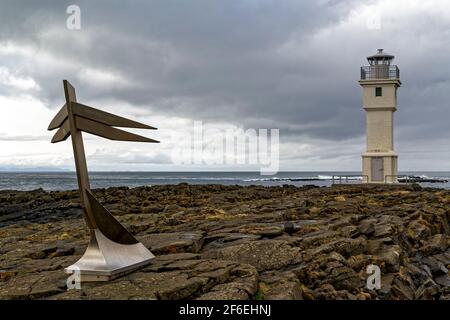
(380, 58)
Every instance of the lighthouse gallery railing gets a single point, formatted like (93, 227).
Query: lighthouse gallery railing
(380, 71)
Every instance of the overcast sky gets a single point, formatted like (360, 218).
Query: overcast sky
(290, 65)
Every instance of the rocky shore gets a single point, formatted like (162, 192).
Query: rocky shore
(234, 242)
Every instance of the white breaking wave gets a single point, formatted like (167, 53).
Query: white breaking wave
(308, 178)
(320, 177)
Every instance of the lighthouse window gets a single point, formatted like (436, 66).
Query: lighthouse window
(378, 92)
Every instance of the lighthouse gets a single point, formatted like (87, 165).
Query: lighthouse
(380, 81)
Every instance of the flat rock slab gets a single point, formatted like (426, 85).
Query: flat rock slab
(164, 243)
(33, 286)
(181, 279)
(263, 255)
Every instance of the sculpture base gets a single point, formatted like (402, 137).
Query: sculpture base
(105, 260)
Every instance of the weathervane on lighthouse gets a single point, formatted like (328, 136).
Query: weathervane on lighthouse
(380, 81)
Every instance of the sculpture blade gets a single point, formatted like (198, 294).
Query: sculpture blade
(102, 130)
(58, 120)
(63, 132)
(106, 117)
(107, 224)
(69, 91)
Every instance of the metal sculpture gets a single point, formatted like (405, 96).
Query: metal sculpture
(112, 250)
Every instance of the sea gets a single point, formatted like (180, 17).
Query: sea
(50, 181)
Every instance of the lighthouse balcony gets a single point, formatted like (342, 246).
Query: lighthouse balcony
(380, 71)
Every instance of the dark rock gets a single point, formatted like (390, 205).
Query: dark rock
(350, 247)
(163, 243)
(350, 231)
(284, 291)
(152, 209)
(443, 280)
(266, 231)
(417, 230)
(235, 242)
(264, 254)
(436, 244)
(403, 289)
(367, 227)
(374, 246)
(62, 252)
(391, 257)
(444, 257)
(33, 286)
(344, 278)
(385, 291)
(6, 275)
(221, 240)
(61, 249)
(361, 261)
(383, 230)
(418, 275)
(188, 281)
(280, 286)
(241, 288)
(138, 227)
(428, 290)
(289, 227)
(435, 266)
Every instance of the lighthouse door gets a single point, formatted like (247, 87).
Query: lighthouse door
(377, 169)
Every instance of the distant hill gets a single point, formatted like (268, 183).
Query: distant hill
(32, 169)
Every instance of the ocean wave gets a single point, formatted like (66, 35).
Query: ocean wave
(110, 178)
(307, 178)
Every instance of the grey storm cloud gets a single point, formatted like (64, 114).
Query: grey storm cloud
(263, 64)
(213, 60)
(105, 156)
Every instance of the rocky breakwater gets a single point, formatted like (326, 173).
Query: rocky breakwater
(233, 242)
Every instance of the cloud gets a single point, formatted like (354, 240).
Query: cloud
(16, 82)
(291, 65)
(4, 137)
(112, 156)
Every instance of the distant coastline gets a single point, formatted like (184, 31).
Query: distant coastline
(66, 180)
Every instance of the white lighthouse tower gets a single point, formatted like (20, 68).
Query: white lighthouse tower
(380, 80)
